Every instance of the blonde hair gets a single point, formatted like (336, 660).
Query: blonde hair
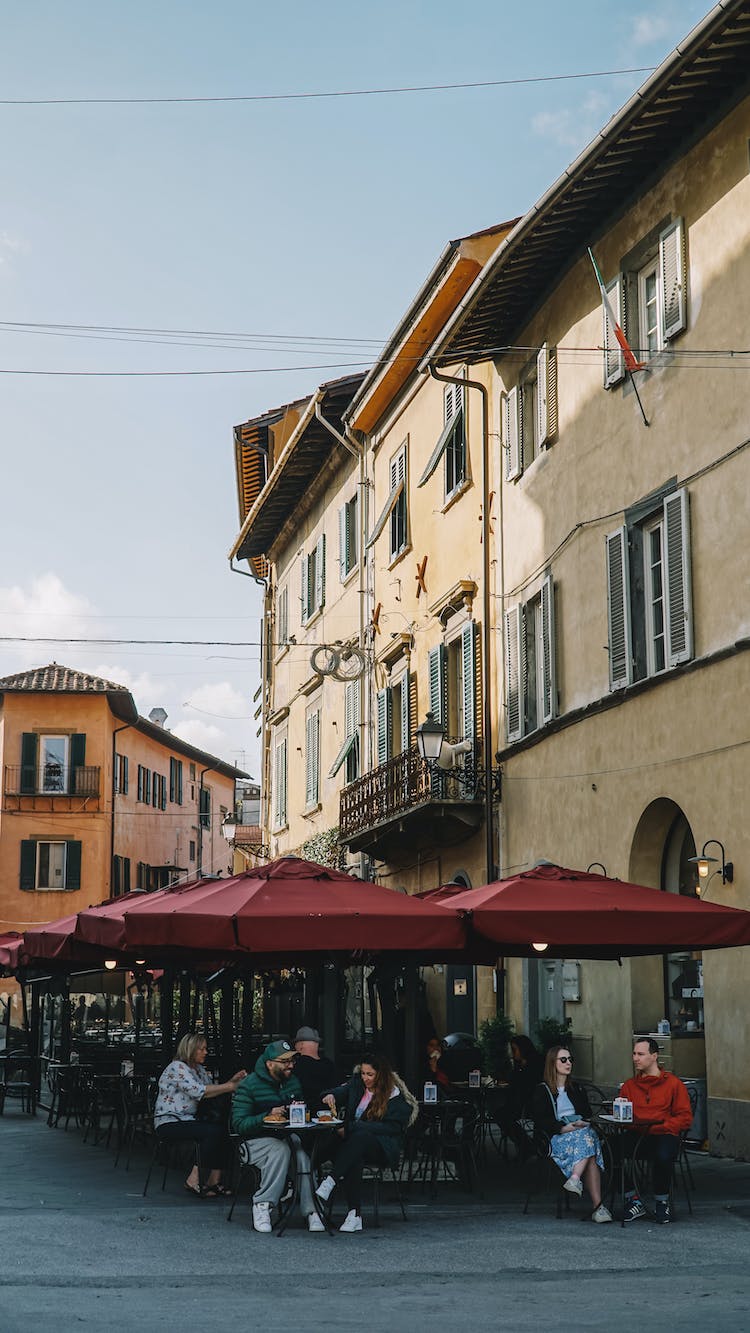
(188, 1046)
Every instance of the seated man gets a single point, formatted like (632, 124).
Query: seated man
(661, 1110)
(315, 1072)
(269, 1090)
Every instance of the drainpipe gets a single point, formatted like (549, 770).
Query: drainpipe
(115, 733)
(208, 769)
(265, 668)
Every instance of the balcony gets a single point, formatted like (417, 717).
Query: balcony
(52, 780)
(406, 805)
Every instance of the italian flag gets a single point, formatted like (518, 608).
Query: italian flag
(630, 359)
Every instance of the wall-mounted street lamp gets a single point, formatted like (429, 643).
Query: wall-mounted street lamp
(594, 865)
(704, 863)
(436, 749)
(229, 831)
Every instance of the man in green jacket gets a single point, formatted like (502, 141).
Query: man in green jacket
(268, 1091)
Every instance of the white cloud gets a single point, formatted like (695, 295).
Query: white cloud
(649, 28)
(202, 734)
(220, 699)
(46, 609)
(11, 245)
(573, 127)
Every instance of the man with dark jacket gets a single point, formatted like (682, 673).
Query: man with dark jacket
(661, 1112)
(315, 1072)
(268, 1091)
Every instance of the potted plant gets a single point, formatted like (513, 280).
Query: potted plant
(552, 1032)
(494, 1036)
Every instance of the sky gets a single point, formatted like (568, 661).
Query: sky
(305, 225)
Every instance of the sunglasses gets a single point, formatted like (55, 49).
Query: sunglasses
(565, 1059)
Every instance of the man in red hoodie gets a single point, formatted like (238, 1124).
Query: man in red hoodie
(661, 1111)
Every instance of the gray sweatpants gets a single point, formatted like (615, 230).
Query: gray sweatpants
(272, 1157)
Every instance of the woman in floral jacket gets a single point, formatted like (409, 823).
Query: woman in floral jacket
(184, 1084)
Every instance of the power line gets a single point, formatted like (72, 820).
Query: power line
(24, 325)
(319, 96)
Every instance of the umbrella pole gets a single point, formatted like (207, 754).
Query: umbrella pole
(409, 1073)
(246, 1022)
(166, 996)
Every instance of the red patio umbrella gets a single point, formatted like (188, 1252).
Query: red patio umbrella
(10, 944)
(287, 908)
(577, 914)
(60, 941)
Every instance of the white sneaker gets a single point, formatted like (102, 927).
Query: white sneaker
(315, 1223)
(573, 1185)
(326, 1187)
(352, 1222)
(262, 1217)
(601, 1214)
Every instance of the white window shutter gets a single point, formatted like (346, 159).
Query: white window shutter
(304, 589)
(618, 610)
(436, 678)
(677, 600)
(512, 435)
(542, 394)
(312, 757)
(343, 543)
(549, 673)
(468, 663)
(405, 716)
(351, 708)
(614, 360)
(384, 725)
(280, 783)
(672, 271)
(514, 659)
(448, 404)
(320, 573)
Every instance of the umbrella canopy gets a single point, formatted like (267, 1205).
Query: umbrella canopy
(10, 944)
(287, 908)
(590, 916)
(61, 940)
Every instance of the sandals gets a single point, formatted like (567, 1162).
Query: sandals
(209, 1192)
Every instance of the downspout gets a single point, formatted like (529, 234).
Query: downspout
(115, 733)
(265, 660)
(208, 769)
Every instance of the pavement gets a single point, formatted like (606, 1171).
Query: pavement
(82, 1249)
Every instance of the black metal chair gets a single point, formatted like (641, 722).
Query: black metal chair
(376, 1175)
(453, 1144)
(19, 1080)
(138, 1096)
(170, 1154)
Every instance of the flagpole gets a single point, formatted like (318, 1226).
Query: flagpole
(646, 421)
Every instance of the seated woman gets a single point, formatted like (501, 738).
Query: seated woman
(182, 1086)
(432, 1070)
(525, 1074)
(561, 1109)
(378, 1108)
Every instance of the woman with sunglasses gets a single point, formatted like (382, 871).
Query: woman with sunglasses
(561, 1109)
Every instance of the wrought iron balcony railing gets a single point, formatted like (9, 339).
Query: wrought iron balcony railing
(52, 780)
(402, 784)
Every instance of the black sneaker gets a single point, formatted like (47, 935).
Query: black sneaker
(634, 1211)
(663, 1211)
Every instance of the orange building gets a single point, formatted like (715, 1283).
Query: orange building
(96, 800)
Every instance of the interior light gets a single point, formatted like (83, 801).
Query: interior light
(540, 947)
(110, 964)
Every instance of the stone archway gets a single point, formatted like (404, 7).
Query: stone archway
(649, 842)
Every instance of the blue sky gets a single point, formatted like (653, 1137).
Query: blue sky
(316, 218)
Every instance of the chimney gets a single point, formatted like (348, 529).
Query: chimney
(158, 716)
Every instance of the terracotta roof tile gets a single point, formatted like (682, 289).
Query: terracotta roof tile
(63, 679)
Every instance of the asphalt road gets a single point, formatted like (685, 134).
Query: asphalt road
(82, 1249)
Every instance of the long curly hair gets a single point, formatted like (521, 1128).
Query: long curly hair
(385, 1082)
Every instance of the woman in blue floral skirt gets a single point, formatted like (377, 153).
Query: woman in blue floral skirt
(561, 1109)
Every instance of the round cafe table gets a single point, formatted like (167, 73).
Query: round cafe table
(312, 1137)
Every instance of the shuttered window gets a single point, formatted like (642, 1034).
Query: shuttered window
(50, 865)
(672, 272)
(384, 725)
(280, 783)
(313, 580)
(530, 664)
(312, 757)
(349, 751)
(512, 433)
(175, 781)
(614, 361)
(348, 538)
(282, 617)
(436, 683)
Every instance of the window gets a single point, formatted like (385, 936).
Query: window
(121, 774)
(191, 770)
(282, 618)
(349, 752)
(396, 717)
(348, 537)
(312, 757)
(120, 875)
(648, 299)
(144, 784)
(280, 783)
(649, 590)
(50, 865)
(175, 781)
(313, 578)
(51, 764)
(530, 674)
(395, 508)
(159, 791)
(204, 807)
(452, 678)
(451, 443)
(191, 849)
(529, 413)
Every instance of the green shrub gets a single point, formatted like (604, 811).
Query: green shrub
(551, 1032)
(494, 1037)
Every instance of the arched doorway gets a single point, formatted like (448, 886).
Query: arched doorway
(669, 986)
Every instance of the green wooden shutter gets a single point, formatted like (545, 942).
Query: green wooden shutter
(384, 725)
(179, 782)
(468, 655)
(679, 625)
(29, 752)
(124, 788)
(126, 874)
(77, 758)
(549, 675)
(116, 876)
(405, 711)
(73, 865)
(618, 609)
(304, 600)
(172, 778)
(28, 865)
(163, 793)
(514, 691)
(320, 573)
(436, 672)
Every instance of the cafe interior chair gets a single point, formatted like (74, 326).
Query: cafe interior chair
(102, 1111)
(377, 1176)
(454, 1144)
(544, 1174)
(18, 1080)
(137, 1100)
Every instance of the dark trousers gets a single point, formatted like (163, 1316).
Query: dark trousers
(360, 1149)
(211, 1138)
(659, 1149)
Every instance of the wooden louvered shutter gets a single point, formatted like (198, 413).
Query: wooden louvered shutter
(312, 757)
(343, 544)
(546, 396)
(384, 725)
(436, 674)
(320, 573)
(29, 753)
(468, 680)
(77, 759)
(677, 599)
(405, 711)
(672, 271)
(412, 708)
(614, 361)
(72, 865)
(618, 609)
(549, 681)
(512, 435)
(304, 589)
(28, 865)
(514, 661)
